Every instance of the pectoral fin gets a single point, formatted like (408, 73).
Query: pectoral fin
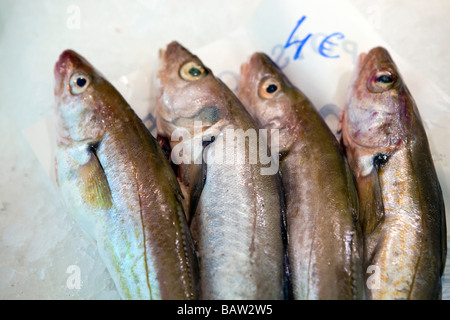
(194, 178)
(198, 181)
(372, 208)
(94, 185)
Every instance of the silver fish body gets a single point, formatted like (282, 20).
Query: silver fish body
(235, 210)
(321, 198)
(401, 204)
(117, 184)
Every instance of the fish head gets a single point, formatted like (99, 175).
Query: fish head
(378, 104)
(270, 97)
(187, 92)
(80, 92)
(380, 117)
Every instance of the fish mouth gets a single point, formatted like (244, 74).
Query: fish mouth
(361, 59)
(68, 61)
(161, 53)
(359, 65)
(173, 55)
(253, 64)
(244, 68)
(367, 60)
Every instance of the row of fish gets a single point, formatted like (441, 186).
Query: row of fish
(336, 215)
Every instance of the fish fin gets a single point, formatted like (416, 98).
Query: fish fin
(287, 278)
(197, 179)
(351, 185)
(195, 182)
(164, 146)
(94, 184)
(372, 210)
(191, 180)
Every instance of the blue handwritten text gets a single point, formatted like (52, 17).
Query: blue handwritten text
(327, 46)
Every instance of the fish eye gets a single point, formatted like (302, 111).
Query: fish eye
(381, 81)
(384, 79)
(192, 71)
(269, 88)
(79, 82)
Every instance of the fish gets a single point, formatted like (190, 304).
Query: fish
(321, 198)
(116, 183)
(234, 209)
(402, 212)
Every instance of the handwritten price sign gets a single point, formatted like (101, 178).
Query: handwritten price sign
(327, 45)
